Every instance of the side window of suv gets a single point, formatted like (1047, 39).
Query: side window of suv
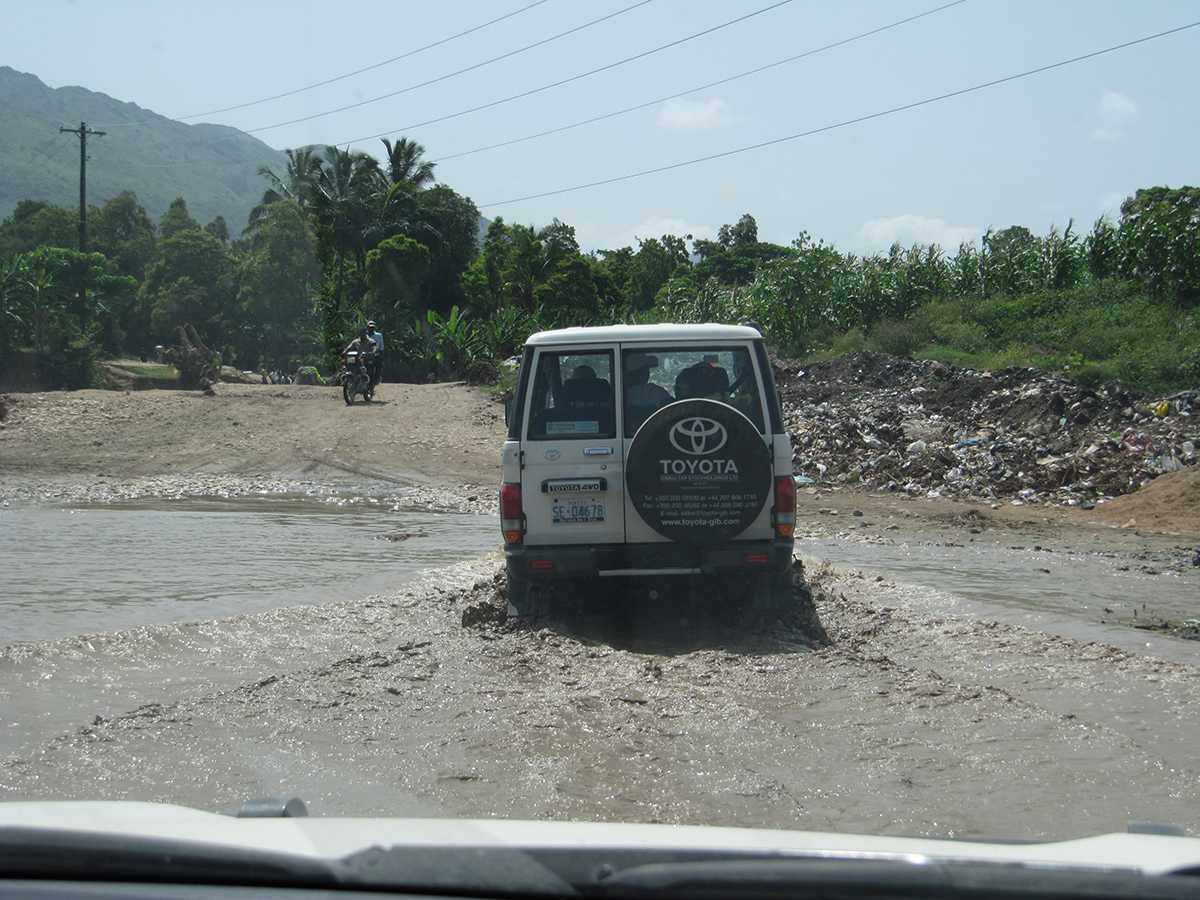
(572, 396)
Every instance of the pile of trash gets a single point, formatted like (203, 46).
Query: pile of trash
(882, 423)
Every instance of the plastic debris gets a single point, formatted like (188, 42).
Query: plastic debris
(881, 423)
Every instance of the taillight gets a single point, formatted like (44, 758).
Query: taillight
(512, 520)
(785, 506)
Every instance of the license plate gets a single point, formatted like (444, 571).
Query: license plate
(570, 513)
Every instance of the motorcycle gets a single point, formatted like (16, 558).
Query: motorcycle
(355, 377)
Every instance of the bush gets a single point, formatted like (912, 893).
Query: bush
(852, 341)
(1091, 375)
(899, 337)
(70, 365)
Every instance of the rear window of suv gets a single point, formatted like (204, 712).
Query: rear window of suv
(657, 376)
(573, 396)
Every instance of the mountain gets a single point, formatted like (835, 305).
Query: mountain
(213, 167)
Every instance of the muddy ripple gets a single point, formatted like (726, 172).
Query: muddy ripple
(910, 720)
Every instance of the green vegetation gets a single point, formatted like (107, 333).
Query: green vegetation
(152, 371)
(1110, 331)
(336, 237)
(1117, 304)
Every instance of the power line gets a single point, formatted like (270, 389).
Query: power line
(344, 76)
(577, 77)
(847, 122)
(572, 78)
(457, 72)
(703, 87)
(380, 64)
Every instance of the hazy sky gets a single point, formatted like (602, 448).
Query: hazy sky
(1068, 143)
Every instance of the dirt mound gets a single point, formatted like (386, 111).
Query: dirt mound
(923, 427)
(1169, 503)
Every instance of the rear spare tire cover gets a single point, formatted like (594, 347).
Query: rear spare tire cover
(698, 472)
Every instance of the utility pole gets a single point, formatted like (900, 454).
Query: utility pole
(84, 132)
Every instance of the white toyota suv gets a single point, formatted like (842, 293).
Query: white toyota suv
(647, 453)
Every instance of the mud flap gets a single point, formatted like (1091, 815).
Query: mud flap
(532, 601)
(535, 602)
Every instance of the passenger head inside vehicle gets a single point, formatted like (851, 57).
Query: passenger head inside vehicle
(584, 389)
(707, 378)
(637, 368)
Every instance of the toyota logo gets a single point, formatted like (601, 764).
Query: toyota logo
(697, 436)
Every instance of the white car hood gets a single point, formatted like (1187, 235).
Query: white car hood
(333, 838)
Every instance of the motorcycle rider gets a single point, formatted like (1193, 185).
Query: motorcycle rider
(362, 343)
(365, 348)
(377, 359)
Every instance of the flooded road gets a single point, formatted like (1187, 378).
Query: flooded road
(112, 567)
(154, 600)
(908, 720)
(1069, 592)
(205, 651)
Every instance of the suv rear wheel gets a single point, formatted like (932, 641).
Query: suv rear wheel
(761, 600)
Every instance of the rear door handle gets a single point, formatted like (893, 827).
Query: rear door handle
(597, 451)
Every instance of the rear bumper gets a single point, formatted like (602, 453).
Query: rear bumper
(616, 560)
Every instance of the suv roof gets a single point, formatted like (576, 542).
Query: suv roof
(647, 333)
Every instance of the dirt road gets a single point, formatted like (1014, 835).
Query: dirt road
(918, 712)
(444, 433)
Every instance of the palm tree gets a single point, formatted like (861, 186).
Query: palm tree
(405, 163)
(298, 182)
(397, 211)
(344, 201)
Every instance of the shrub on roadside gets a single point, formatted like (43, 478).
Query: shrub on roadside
(69, 365)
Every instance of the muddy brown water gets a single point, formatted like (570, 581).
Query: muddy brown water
(942, 705)
(111, 567)
(110, 597)
(1071, 592)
